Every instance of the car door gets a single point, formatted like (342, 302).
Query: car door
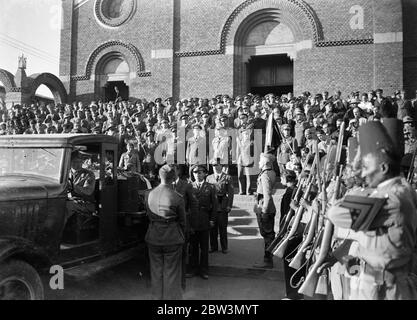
(108, 196)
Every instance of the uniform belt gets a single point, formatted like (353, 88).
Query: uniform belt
(165, 221)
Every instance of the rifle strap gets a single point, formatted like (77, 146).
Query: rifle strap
(291, 255)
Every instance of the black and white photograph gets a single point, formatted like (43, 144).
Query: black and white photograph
(208, 156)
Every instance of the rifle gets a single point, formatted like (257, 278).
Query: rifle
(410, 175)
(282, 246)
(299, 258)
(309, 286)
(285, 224)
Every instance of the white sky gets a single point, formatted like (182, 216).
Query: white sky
(31, 27)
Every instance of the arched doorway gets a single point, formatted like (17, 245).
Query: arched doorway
(49, 84)
(113, 77)
(265, 57)
(44, 94)
(269, 70)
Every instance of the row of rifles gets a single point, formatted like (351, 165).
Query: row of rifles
(313, 255)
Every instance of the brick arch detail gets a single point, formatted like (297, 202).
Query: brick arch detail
(8, 79)
(129, 52)
(52, 82)
(306, 18)
(301, 11)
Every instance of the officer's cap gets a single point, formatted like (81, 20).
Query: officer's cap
(217, 161)
(77, 154)
(286, 127)
(197, 168)
(298, 111)
(184, 116)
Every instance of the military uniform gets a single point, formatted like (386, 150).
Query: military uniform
(285, 150)
(200, 226)
(191, 205)
(245, 160)
(130, 160)
(266, 216)
(196, 150)
(386, 240)
(224, 188)
(82, 186)
(165, 238)
(149, 164)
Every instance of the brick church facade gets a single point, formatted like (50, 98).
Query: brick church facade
(187, 48)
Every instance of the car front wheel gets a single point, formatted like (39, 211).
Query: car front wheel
(19, 281)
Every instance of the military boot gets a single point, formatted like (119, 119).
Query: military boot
(267, 263)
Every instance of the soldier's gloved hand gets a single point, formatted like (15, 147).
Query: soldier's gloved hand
(294, 205)
(228, 209)
(211, 223)
(305, 204)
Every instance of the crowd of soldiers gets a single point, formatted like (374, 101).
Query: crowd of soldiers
(334, 154)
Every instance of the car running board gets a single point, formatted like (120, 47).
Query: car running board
(87, 270)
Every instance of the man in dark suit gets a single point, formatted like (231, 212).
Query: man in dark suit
(185, 189)
(201, 221)
(165, 237)
(224, 187)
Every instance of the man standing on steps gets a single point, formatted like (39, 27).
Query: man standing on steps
(224, 187)
(265, 209)
(185, 189)
(201, 221)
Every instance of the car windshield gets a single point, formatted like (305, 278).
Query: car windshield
(45, 162)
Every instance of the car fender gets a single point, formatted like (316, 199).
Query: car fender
(23, 249)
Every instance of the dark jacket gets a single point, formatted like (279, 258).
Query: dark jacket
(224, 189)
(191, 204)
(207, 206)
(165, 209)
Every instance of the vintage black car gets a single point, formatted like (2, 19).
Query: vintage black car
(34, 173)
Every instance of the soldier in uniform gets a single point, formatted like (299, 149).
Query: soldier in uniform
(185, 189)
(287, 147)
(196, 148)
(244, 152)
(201, 221)
(224, 187)
(130, 159)
(148, 155)
(386, 240)
(82, 183)
(265, 209)
(165, 237)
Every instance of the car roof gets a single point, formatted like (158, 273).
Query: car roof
(53, 140)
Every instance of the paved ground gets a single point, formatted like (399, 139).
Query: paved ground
(231, 275)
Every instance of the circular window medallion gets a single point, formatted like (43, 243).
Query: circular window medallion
(114, 13)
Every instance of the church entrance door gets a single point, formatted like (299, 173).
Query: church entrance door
(271, 74)
(116, 89)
